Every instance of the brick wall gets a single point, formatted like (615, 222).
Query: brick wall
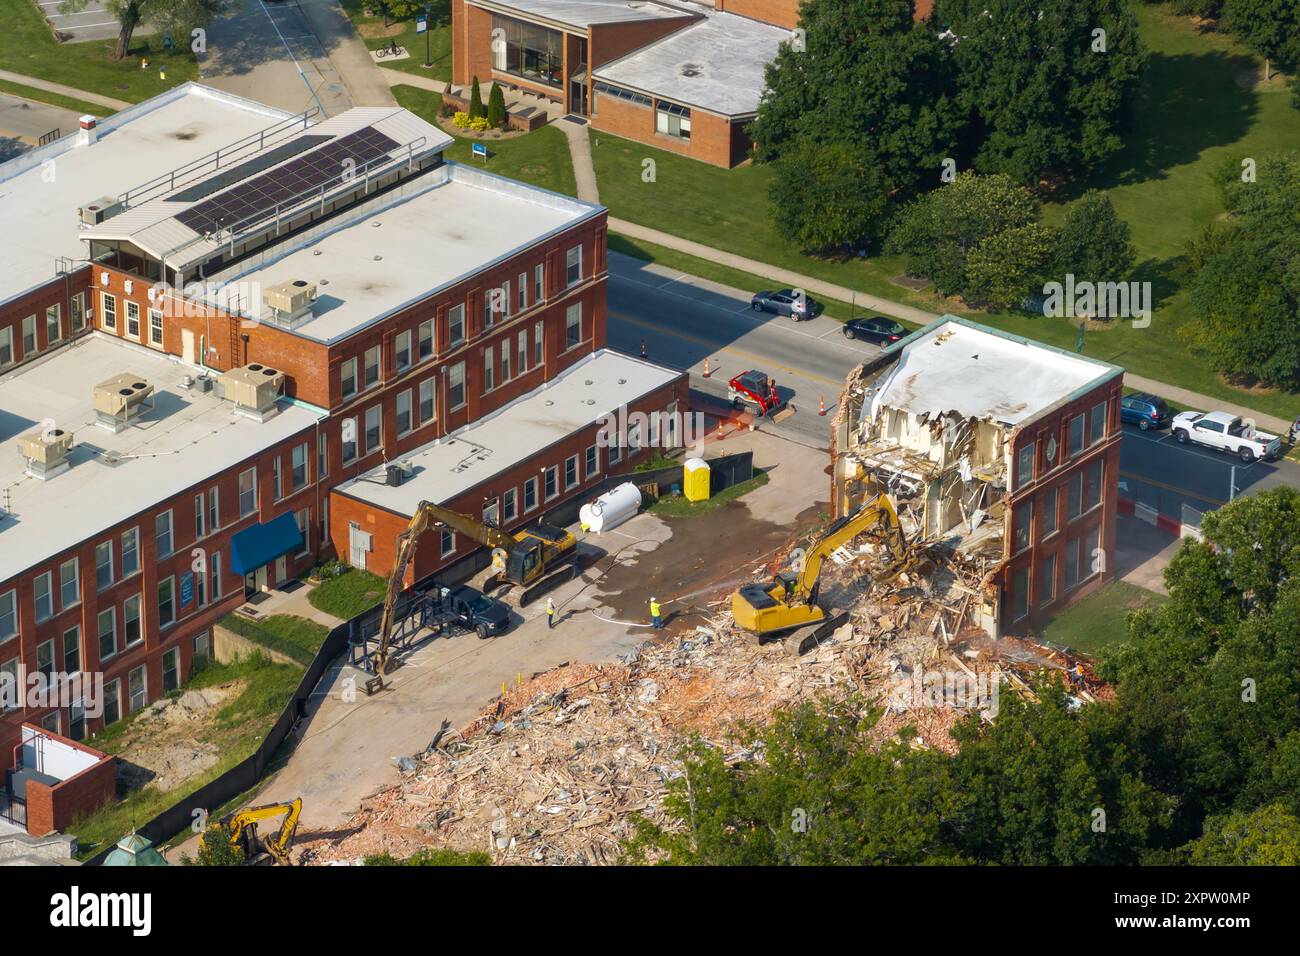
(609, 41)
(58, 293)
(471, 43)
(781, 13)
(713, 138)
(52, 809)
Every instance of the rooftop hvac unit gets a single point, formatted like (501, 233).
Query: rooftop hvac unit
(96, 211)
(253, 389)
(120, 400)
(46, 452)
(394, 475)
(290, 302)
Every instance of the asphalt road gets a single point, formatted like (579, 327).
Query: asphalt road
(684, 319)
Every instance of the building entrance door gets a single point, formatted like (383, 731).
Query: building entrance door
(578, 92)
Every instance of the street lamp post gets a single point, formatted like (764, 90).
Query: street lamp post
(427, 25)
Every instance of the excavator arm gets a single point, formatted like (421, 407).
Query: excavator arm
(278, 845)
(879, 510)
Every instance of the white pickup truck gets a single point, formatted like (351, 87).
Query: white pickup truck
(1226, 433)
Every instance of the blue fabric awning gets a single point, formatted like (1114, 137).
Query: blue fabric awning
(263, 543)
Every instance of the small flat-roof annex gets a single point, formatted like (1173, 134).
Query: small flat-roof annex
(581, 396)
(188, 437)
(582, 14)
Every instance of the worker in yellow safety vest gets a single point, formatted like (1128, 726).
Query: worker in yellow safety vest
(655, 613)
(550, 614)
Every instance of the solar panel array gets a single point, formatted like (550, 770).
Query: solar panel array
(259, 196)
(228, 177)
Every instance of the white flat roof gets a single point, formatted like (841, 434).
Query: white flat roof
(188, 437)
(716, 64)
(435, 230)
(581, 396)
(41, 191)
(584, 13)
(956, 366)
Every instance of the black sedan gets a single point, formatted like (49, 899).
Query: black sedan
(878, 330)
(795, 303)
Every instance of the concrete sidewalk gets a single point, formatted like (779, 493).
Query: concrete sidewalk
(106, 101)
(350, 57)
(584, 170)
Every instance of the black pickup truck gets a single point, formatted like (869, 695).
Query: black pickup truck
(476, 611)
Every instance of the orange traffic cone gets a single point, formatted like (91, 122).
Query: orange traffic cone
(707, 373)
(821, 406)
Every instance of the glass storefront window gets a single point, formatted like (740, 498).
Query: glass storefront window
(532, 52)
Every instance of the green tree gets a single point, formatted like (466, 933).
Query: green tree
(1269, 27)
(868, 77)
(475, 100)
(215, 849)
(1093, 242)
(1269, 836)
(1246, 295)
(178, 17)
(825, 195)
(937, 231)
(496, 111)
(1004, 269)
(1037, 91)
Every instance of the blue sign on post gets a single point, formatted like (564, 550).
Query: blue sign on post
(479, 149)
(187, 588)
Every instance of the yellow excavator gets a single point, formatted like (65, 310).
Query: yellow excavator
(534, 559)
(790, 601)
(269, 849)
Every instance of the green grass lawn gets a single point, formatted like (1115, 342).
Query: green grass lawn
(236, 729)
(1191, 115)
(677, 506)
(289, 634)
(1097, 620)
(53, 99)
(439, 40)
(349, 594)
(540, 157)
(27, 46)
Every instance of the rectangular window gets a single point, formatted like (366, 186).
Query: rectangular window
(539, 331)
(132, 320)
(1047, 580)
(348, 378)
(1092, 555)
(425, 340)
(302, 517)
(491, 306)
(162, 525)
(202, 648)
(489, 378)
(107, 633)
(371, 368)
(1071, 563)
(43, 598)
(6, 347)
(78, 312)
(53, 324)
(1022, 522)
(522, 292)
(404, 424)
(69, 584)
(1048, 517)
(492, 513)
(592, 464)
(505, 360)
(155, 328)
(633, 438)
(215, 562)
(426, 401)
(108, 311)
(45, 658)
(349, 432)
(456, 324)
(1074, 496)
(322, 456)
(1076, 435)
(200, 516)
(103, 566)
(298, 467)
(374, 427)
(277, 481)
(456, 386)
(137, 693)
(615, 452)
(1025, 465)
(1092, 485)
(72, 650)
(171, 670)
(1020, 593)
(29, 336)
(112, 702)
(573, 266)
(130, 552)
(200, 589)
(166, 602)
(448, 543)
(570, 471)
(131, 633)
(530, 495)
(539, 286)
(8, 614)
(402, 350)
(510, 505)
(573, 325)
(1097, 423)
(522, 351)
(672, 120)
(11, 684)
(247, 492)
(552, 482)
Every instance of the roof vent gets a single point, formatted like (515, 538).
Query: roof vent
(121, 400)
(290, 302)
(253, 389)
(46, 452)
(97, 210)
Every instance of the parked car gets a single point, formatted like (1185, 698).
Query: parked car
(754, 388)
(797, 305)
(486, 616)
(879, 330)
(1145, 411)
(1227, 433)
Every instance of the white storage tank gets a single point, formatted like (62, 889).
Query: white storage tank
(611, 509)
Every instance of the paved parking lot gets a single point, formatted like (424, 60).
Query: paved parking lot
(92, 23)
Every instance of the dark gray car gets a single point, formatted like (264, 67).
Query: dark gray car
(792, 302)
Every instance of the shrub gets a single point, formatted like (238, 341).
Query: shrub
(475, 100)
(496, 112)
(461, 120)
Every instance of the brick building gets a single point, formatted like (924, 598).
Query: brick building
(1002, 450)
(256, 309)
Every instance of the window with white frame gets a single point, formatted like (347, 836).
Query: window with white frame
(349, 432)
(112, 701)
(403, 412)
(425, 340)
(374, 436)
(103, 564)
(448, 543)
(107, 624)
(137, 692)
(200, 516)
(10, 685)
(43, 597)
(162, 524)
(573, 266)
(570, 471)
(72, 650)
(530, 495)
(539, 285)
(302, 517)
(69, 584)
(426, 400)
(592, 463)
(371, 367)
(45, 657)
(130, 551)
(155, 328)
(108, 311)
(277, 481)
(214, 565)
(505, 360)
(672, 120)
(402, 350)
(8, 614)
(298, 466)
(322, 456)
(456, 324)
(573, 325)
(53, 323)
(132, 320)
(522, 292)
(247, 492)
(522, 350)
(6, 346)
(539, 332)
(489, 368)
(551, 482)
(78, 312)
(214, 509)
(171, 670)
(456, 386)
(131, 632)
(29, 336)
(492, 513)
(348, 378)
(509, 505)
(166, 602)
